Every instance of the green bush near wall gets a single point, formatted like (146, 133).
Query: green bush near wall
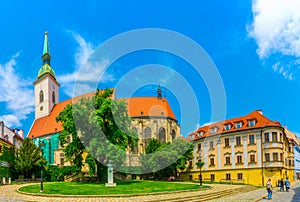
(4, 172)
(54, 173)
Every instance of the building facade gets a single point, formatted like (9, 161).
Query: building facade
(10, 137)
(295, 140)
(248, 149)
(152, 117)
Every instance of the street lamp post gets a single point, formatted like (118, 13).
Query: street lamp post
(200, 164)
(42, 186)
(41, 164)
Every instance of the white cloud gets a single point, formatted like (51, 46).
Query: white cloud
(85, 70)
(283, 70)
(15, 94)
(276, 29)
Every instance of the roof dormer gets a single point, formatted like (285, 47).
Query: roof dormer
(213, 129)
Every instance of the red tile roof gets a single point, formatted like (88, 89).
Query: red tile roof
(260, 122)
(47, 125)
(149, 107)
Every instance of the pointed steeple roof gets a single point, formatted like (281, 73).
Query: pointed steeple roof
(159, 91)
(46, 44)
(46, 68)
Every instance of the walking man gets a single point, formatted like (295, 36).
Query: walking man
(269, 189)
(281, 184)
(287, 184)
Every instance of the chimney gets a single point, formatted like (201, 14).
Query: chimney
(21, 133)
(260, 111)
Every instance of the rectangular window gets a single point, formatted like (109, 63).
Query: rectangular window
(274, 137)
(252, 158)
(190, 164)
(239, 159)
(275, 156)
(226, 142)
(238, 124)
(62, 161)
(251, 139)
(251, 123)
(267, 157)
(227, 159)
(211, 144)
(212, 177)
(281, 140)
(199, 147)
(240, 176)
(267, 137)
(290, 149)
(228, 176)
(238, 140)
(227, 127)
(281, 156)
(212, 161)
(290, 162)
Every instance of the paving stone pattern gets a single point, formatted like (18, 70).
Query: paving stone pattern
(8, 193)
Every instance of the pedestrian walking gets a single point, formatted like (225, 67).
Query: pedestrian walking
(287, 184)
(281, 184)
(269, 189)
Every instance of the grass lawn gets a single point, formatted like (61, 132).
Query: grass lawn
(128, 187)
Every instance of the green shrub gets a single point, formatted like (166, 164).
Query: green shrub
(3, 172)
(54, 173)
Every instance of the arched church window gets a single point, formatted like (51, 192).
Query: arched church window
(147, 136)
(41, 96)
(135, 149)
(162, 135)
(53, 97)
(173, 134)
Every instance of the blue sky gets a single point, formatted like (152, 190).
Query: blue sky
(255, 46)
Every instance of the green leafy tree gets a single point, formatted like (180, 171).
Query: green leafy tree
(152, 146)
(165, 160)
(73, 150)
(8, 158)
(100, 126)
(28, 158)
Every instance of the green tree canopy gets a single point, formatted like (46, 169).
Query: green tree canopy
(28, 157)
(166, 159)
(99, 125)
(8, 162)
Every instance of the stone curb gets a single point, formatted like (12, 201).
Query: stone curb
(108, 196)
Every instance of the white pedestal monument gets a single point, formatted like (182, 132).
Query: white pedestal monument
(110, 175)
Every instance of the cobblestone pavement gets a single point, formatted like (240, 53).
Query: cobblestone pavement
(292, 196)
(261, 194)
(8, 193)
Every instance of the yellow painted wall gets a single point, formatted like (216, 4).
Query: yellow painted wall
(250, 176)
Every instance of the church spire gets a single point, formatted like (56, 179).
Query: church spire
(46, 58)
(46, 53)
(159, 96)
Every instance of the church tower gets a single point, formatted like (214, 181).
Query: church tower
(46, 88)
